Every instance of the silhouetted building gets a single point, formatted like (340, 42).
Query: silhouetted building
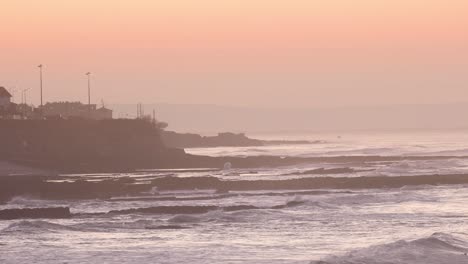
(5, 98)
(26, 111)
(102, 113)
(7, 108)
(67, 110)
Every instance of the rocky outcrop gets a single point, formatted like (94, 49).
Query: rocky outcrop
(314, 183)
(179, 140)
(34, 213)
(83, 145)
(46, 188)
(105, 189)
(90, 146)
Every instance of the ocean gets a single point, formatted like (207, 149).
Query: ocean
(409, 224)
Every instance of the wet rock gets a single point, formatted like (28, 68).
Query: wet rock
(55, 212)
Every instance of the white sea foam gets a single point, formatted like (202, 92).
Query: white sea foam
(36, 226)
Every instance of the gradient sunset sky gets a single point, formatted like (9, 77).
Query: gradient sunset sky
(291, 53)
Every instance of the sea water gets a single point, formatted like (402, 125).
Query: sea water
(411, 224)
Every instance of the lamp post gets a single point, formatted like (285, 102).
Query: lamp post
(25, 96)
(40, 81)
(89, 92)
(41, 109)
(13, 91)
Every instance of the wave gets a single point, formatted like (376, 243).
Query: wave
(167, 227)
(436, 249)
(386, 197)
(361, 151)
(313, 183)
(172, 198)
(96, 226)
(37, 226)
(213, 216)
(324, 171)
(166, 210)
(451, 152)
(419, 167)
(188, 210)
(109, 226)
(184, 219)
(322, 205)
(223, 196)
(50, 212)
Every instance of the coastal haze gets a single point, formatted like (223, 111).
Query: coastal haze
(211, 118)
(183, 131)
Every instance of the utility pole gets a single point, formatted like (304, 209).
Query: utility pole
(24, 102)
(41, 109)
(25, 96)
(89, 92)
(13, 91)
(140, 111)
(40, 81)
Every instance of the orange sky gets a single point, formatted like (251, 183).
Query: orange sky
(239, 52)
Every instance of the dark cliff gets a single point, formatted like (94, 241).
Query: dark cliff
(88, 146)
(81, 145)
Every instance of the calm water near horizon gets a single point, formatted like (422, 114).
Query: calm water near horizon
(412, 224)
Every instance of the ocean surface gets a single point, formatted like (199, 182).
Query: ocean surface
(411, 224)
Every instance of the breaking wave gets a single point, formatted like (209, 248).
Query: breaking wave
(37, 226)
(199, 209)
(436, 249)
(104, 226)
(314, 183)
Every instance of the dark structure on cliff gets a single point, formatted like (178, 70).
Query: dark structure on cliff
(67, 110)
(7, 108)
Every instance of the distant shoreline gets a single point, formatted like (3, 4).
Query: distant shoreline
(190, 140)
(124, 145)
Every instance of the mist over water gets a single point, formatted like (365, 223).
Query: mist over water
(411, 224)
(286, 119)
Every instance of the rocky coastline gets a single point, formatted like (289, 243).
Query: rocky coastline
(119, 145)
(189, 140)
(56, 188)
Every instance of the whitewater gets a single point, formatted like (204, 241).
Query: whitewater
(408, 224)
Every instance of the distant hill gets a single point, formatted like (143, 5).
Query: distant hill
(214, 118)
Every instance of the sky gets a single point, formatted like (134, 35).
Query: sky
(265, 53)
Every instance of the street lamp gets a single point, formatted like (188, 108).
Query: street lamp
(13, 91)
(40, 81)
(24, 96)
(89, 92)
